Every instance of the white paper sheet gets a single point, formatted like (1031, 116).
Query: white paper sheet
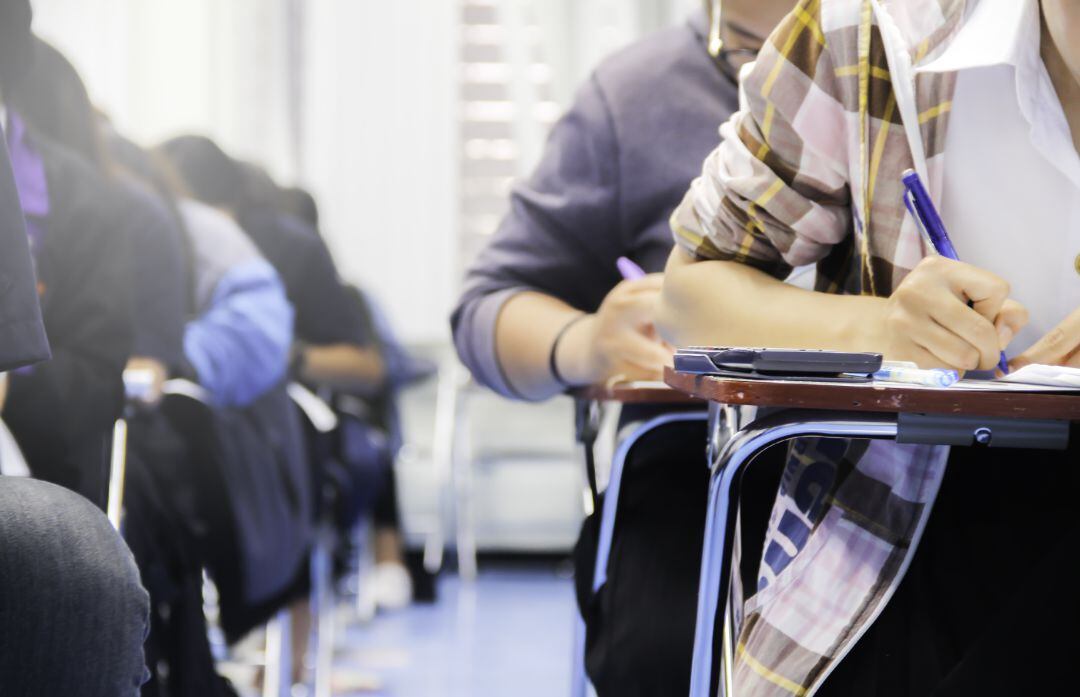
(1046, 375)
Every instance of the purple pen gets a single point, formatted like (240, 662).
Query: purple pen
(921, 206)
(629, 270)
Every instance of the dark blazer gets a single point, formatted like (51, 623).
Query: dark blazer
(325, 314)
(22, 333)
(162, 291)
(61, 412)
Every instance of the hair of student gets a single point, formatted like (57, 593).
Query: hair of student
(262, 190)
(155, 171)
(209, 174)
(53, 100)
(299, 203)
(150, 166)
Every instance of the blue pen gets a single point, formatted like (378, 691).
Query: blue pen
(629, 270)
(918, 202)
(934, 377)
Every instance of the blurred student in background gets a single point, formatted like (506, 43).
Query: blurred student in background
(235, 347)
(334, 347)
(206, 306)
(62, 412)
(54, 102)
(73, 614)
(373, 409)
(544, 310)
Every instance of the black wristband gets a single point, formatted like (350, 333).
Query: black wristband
(553, 363)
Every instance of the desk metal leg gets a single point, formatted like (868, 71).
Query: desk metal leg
(731, 457)
(322, 587)
(579, 681)
(449, 419)
(277, 678)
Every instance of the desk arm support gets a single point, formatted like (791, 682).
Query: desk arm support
(974, 431)
(587, 417)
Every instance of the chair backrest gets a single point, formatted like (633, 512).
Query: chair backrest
(251, 484)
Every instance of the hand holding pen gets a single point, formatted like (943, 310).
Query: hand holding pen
(947, 314)
(618, 341)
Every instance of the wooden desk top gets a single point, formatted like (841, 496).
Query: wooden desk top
(868, 397)
(637, 393)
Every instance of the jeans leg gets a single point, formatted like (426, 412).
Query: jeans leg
(73, 613)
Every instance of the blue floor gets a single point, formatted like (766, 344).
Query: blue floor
(508, 635)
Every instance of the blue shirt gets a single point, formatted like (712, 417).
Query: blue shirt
(239, 342)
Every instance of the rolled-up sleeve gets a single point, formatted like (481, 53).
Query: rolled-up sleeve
(775, 194)
(561, 227)
(239, 346)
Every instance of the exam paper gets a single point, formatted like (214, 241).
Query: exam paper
(1030, 378)
(1046, 375)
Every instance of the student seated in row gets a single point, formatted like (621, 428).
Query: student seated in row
(916, 571)
(73, 614)
(334, 346)
(370, 412)
(205, 306)
(544, 310)
(62, 412)
(53, 100)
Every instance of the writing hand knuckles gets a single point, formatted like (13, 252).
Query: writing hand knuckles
(916, 297)
(982, 332)
(965, 358)
(1000, 287)
(931, 263)
(901, 323)
(1057, 340)
(1018, 315)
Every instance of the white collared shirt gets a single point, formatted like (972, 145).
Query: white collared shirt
(1011, 187)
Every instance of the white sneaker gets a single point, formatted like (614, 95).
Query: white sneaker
(392, 586)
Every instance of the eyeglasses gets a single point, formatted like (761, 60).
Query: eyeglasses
(716, 25)
(729, 60)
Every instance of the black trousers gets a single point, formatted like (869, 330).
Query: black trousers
(73, 613)
(640, 626)
(989, 603)
(158, 532)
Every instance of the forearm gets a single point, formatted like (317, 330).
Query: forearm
(3, 389)
(525, 331)
(344, 366)
(722, 303)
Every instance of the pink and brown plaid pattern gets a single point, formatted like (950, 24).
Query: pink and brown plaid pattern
(809, 172)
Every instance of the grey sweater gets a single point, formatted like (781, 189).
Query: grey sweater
(614, 168)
